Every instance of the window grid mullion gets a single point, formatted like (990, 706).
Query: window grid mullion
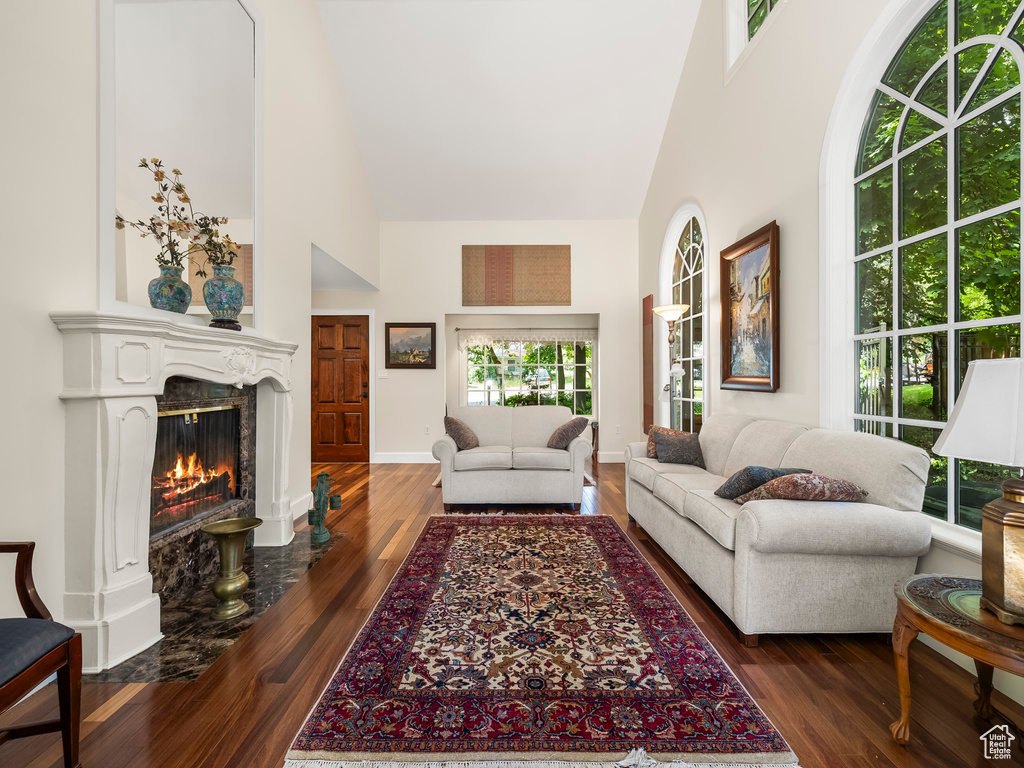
(952, 274)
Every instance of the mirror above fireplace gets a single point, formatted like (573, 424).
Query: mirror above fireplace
(184, 93)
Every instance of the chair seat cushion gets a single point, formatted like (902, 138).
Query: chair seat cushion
(23, 642)
(484, 457)
(645, 471)
(541, 458)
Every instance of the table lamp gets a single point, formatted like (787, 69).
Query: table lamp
(987, 424)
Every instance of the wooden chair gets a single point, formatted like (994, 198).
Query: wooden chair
(32, 649)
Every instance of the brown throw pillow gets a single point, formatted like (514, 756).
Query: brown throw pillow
(652, 449)
(459, 431)
(679, 448)
(805, 488)
(568, 432)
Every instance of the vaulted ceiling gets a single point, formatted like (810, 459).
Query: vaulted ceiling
(509, 109)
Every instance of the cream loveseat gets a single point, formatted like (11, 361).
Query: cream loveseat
(788, 566)
(513, 464)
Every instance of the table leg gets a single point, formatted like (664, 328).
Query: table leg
(903, 635)
(983, 705)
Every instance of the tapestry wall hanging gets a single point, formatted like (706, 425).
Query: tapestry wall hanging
(516, 276)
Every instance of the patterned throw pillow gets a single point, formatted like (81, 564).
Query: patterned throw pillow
(749, 478)
(459, 431)
(679, 448)
(568, 432)
(805, 488)
(652, 449)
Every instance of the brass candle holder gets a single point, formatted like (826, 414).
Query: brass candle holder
(232, 581)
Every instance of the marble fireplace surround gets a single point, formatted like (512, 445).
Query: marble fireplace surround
(115, 365)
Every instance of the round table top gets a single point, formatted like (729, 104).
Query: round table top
(954, 602)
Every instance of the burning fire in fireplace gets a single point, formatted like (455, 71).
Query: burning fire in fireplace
(189, 484)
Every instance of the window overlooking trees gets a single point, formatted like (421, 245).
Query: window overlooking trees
(515, 369)
(686, 391)
(938, 244)
(757, 12)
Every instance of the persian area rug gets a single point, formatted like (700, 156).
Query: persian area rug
(527, 641)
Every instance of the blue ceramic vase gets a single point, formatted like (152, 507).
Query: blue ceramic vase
(169, 292)
(224, 297)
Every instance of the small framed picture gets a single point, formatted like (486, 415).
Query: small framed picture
(410, 345)
(750, 312)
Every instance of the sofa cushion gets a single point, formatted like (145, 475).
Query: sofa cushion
(674, 488)
(892, 472)
(762, 443)
(568, 432)
(717, 436)
(459, 431)
(717, 516)
(644, 471)
(747, 479)
(681, 448)
(541, 458)
(533, 424)
(652, 446)
(492, 425)
(24, 641)
(484, 457)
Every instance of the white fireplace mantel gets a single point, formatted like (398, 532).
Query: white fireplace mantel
(114, 367)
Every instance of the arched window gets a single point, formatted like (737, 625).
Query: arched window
(684, 249)
(937, 244)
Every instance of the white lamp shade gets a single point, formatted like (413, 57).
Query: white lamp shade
(987, 423)
(671, 312)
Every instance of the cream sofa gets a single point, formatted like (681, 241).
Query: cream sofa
(513, 464)
(788, 566)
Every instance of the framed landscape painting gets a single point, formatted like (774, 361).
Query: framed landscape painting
(750, 312)
(410, 345)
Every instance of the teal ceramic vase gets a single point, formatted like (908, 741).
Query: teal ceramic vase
(169, 292)
(224, 297)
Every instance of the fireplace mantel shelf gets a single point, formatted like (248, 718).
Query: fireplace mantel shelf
(115, 364)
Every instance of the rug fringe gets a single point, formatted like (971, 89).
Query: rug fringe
(637, 758)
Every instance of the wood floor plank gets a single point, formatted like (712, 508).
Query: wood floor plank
(832, 697)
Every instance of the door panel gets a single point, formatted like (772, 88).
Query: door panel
(341, 389)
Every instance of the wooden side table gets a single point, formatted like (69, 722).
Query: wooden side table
(947, 608)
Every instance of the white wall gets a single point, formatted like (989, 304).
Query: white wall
(421, 281)
(748, 150)
(315, 189)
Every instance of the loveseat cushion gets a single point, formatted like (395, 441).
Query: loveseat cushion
(673, 489)
(645, 471)
(715, 515)
(459, 431)
(541, 458)
(484, 457)
(568, 432)
(24, 641)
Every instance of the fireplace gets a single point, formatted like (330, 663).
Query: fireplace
(195, 466)
(203, 470)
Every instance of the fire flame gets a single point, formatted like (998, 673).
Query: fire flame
(189, 475)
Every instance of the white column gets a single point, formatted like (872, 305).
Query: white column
(109, 597)
(273, 444)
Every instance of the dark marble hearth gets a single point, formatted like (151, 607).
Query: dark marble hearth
(192, 640)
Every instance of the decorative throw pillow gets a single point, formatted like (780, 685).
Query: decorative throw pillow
(652, 450)
(805, 488)
(679, 448)
(749, 478)
(568, 432)
(459, 431)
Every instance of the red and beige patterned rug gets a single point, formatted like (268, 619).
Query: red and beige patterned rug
(528, 640)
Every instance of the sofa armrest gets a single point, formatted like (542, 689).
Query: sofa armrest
(776, 526)
(635, 451)
(579, 449)
(444, 450)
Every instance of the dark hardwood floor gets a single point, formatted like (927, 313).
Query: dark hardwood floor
(832, 697)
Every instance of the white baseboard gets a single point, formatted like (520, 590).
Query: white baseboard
(403, 458)
(611, 457)
(302, 505)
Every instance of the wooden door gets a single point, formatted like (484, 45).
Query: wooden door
(341, 389)
(647, 313)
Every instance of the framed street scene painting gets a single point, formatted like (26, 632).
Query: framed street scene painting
(750, 312)
(410, 345)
